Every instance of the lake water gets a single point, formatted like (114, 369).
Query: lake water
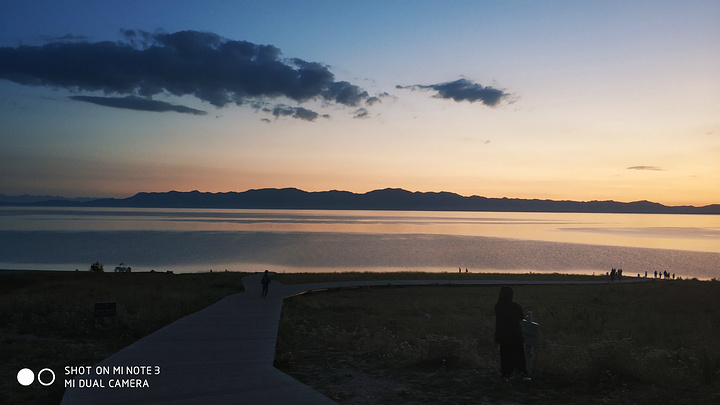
(184, 240)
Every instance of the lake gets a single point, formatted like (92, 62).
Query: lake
(183, 240)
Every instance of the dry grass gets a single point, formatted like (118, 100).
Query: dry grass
(299, 278)
(654, 342)
(47, 318)
(622, 343)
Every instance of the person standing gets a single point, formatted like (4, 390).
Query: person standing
(265, 283)
(508, 315)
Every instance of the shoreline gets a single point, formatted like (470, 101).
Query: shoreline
(405, 274)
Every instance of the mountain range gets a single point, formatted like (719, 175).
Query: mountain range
(386, 199)
(35, 199)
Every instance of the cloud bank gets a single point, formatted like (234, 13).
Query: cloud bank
(138, 103)
(201, 64)
(463, 90)
(294, 112)
(651, 168)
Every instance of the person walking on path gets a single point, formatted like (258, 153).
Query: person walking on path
(508, 335)
(265, 283)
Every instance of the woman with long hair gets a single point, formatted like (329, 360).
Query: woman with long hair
(508, 315)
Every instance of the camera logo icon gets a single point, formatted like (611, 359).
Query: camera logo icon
(45, 377)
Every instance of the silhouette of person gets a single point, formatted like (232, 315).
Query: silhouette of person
(265, 283)
(508, 335)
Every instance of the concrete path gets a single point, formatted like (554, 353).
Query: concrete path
(222, 354)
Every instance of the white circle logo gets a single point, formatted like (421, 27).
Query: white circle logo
(26, 377)
(52, 373)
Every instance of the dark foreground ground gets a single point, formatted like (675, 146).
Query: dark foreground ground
(651, 342)
(47, 318)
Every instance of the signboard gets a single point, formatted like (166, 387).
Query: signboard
(105, 309)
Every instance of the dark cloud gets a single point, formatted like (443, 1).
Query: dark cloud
(362, 113)
(463, 90)
(213, 69)
(65, 38)
(345, 93)
(138, 103)
(651, 168)
(295, 112)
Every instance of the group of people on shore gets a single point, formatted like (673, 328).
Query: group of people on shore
(665, 274)
(614, 273)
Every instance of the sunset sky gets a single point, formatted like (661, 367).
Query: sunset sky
(572, 100)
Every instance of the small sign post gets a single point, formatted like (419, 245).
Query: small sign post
(531, 336)
(104, 310)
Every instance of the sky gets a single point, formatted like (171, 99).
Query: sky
(563, 100)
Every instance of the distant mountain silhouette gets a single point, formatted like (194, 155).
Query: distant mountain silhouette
(42, 199)
(387, 199)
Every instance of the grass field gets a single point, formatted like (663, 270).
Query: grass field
(621, 343)
(652, 342)
(47, 318)
(299, 278)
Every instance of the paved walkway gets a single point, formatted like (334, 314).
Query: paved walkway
(222, 354)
